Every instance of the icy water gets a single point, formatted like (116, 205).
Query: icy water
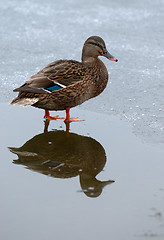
(104, 181)
(101, 182)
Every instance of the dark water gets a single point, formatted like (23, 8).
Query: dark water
(100, 182)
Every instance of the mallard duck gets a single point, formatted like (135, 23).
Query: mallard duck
(64, 84)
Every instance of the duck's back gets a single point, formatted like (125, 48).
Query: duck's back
(65, 72)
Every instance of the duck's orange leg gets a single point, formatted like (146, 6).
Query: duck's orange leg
(47, 115)
(68, 119)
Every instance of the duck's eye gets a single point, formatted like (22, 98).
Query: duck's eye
(101, 52)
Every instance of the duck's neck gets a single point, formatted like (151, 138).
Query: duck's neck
(89, 61)
(88, 57)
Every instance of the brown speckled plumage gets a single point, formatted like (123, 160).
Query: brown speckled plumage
(81, 80)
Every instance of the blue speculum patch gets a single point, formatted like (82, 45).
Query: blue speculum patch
(53, 88)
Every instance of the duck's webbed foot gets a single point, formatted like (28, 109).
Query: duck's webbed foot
(68, 119)
(47, 116)
(73, 120)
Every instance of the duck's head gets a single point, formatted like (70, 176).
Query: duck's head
(93, 47)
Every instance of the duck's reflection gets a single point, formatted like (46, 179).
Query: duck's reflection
(57, 155)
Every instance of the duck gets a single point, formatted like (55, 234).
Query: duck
(64, 84)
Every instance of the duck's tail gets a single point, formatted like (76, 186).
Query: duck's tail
(24, 101)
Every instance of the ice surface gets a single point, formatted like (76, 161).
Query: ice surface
(34, 33)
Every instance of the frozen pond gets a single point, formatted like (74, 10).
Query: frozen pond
(35, 33)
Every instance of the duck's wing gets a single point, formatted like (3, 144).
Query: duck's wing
(54, 76)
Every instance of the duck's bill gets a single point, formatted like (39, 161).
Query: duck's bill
(109, 56)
